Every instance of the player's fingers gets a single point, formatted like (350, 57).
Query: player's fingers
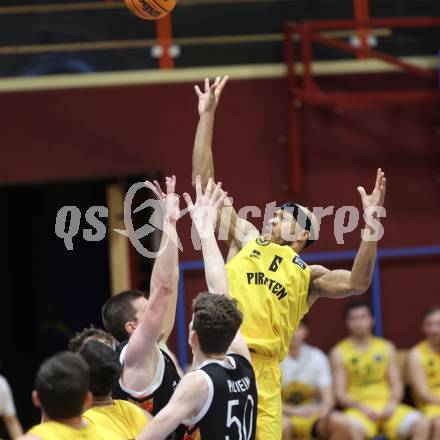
(174, 181)
(222, 83)
(169, 184)
(151, 187)
(378, 177)
(206, 85)
(221, 199)
(198, 186)
(361, 191)
(188, 201)
(216, 193)
(208, 188)
(198, 91)
(217, 81)
(159, 189)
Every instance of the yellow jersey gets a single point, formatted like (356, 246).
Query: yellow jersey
(270, 283)
(431, 366)
(367, 380)
(55, 431)
(122, 418)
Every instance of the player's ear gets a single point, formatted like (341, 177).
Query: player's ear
(130, 327)
(303, 236)
(36, 399)
(193, 339)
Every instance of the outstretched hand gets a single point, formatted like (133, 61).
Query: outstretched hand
(209, 99)
(169, 202)
(204, 211)
(377, 197)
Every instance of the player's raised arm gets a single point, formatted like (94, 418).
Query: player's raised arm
(170, 316)
(187, 401)
(202, 159)
(341, 283)
(142, 344)
(237, 230)
(203, 214)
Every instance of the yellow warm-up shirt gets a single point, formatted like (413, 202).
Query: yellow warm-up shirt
(270, 283)
(431, 366)
(122, 418)
(367, 380)
(56, 431)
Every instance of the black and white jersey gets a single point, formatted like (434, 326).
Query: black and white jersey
(161, 388)
(158, 394)
(230, 411)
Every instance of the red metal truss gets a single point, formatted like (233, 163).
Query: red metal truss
(304, 90)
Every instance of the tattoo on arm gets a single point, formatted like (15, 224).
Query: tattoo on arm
(368, 271)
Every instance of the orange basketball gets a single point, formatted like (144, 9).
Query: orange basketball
(150, 9)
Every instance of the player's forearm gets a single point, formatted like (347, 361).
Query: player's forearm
(158, 429)
(427, 398)
(202, 159)
(347, 402)
(363, 266)
(164, 273)
(13, 427)
(396, 394)
(327, 399)
(215, 270)
(299, 410)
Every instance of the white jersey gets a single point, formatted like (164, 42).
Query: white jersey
(7, 407)
(302, 378)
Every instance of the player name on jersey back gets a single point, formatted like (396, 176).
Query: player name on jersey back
(239, 386)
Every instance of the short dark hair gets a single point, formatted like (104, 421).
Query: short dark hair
(62, 383)
(119, 310)
(304, 220)
(104, 367)
(357, 305)
(89, 333)
(216, 322)
(430, 311)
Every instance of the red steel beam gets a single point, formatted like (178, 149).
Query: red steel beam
(358, 99)
(361, 13)
(164, 36)
(308, 92)
(369, 53)
(403, 22)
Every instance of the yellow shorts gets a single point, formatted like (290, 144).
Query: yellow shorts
(270, 414)
(431, 411)
(400, 421)
(303, 427)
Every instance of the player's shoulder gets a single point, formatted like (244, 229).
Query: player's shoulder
(342, 345)
(240, 360)
(4, 384)
(380, 342)
(418, 350)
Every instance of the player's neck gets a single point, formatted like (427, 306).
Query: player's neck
(434, 347)
(361, 341)
(200, 357)
(73, 422)
(102, 401)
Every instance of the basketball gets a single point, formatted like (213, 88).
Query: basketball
(150, 9)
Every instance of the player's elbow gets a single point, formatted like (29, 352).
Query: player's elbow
(358, 288)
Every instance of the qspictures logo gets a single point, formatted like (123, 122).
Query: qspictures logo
(345, 220)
